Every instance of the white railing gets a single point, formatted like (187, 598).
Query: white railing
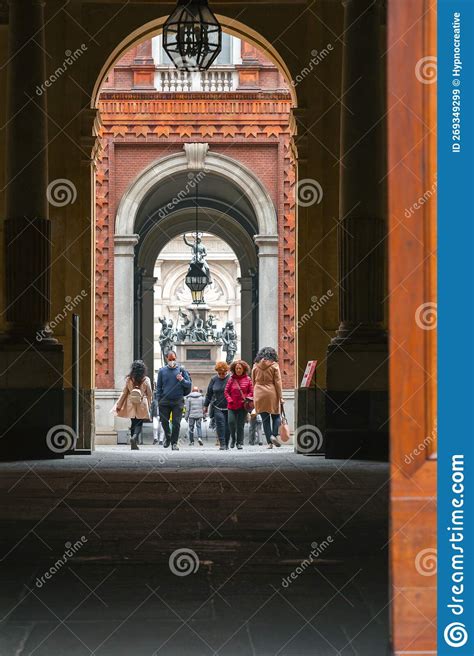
(218, 80)
(170, 80)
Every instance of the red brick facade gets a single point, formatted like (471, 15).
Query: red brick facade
(140, 127)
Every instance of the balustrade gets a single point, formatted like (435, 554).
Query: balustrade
(170, 80)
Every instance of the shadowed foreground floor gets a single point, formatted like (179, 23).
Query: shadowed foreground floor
(194, 553)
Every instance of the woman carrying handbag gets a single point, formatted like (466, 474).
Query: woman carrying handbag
(239, 393)
(135, 400)
(266, 378)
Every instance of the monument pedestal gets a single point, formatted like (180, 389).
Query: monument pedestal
(199, 358)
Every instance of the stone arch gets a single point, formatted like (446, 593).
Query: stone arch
(195, 157)
(179, 222)
(216, 163)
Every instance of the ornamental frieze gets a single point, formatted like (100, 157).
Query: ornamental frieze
(165, 131)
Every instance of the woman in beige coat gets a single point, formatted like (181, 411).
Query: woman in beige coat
(135, 400)
(267, 393)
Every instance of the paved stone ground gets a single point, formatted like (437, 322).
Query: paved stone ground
(194, 552)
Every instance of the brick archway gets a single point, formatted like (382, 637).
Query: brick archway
(194, 158)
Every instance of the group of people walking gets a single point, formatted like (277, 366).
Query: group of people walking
(233, 393)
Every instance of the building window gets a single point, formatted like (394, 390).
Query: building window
(226, 57)
(222, 76)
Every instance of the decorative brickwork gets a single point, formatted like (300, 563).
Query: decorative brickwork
(287, 259)
(140, 127)
(104, 274)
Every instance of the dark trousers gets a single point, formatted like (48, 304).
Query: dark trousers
(236, 424)
(271, 425)
(171, 435)
(222, 426)
(136, 428)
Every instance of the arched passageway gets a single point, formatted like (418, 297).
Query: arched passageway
(232, 131)
(159, 205)
(346, 158)
(233, 204)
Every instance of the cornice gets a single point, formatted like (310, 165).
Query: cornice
(194, 95)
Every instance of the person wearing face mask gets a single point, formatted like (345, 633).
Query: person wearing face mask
(215, 398)
(239, 394)
(172, 385)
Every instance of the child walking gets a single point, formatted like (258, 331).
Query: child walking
(194, 413)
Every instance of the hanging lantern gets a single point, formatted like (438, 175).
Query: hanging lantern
(197, 281)
(192, 36)
(198, 276)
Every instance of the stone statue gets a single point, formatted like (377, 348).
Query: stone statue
(199, 255)
(198, 331)
(186, 326)
(211, 328)
(229, 341)
(167, 337)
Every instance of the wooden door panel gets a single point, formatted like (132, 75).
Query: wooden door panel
(412, 308)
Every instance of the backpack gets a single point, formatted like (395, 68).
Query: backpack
(136, 396)
(189, 384)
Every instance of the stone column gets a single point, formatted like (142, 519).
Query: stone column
(357, 370)
(362, 190)
(27, 228)
(123, 305)
(246, 311)
(148, 323)
(31, 360)
(267, 290)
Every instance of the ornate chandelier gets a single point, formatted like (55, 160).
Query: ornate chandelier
(192, 36)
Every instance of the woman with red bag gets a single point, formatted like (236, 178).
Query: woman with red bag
(266, 378)
(239, 395)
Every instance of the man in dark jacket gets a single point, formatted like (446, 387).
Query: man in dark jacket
(172, 385)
